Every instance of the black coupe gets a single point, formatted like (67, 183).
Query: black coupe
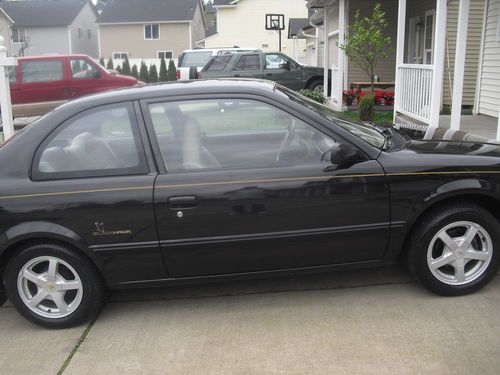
(193, 181)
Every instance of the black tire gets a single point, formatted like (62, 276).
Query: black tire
(316, 85)
(427, 232)
(92, 293)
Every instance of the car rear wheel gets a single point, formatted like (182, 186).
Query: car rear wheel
(53, 286)
(454, 251)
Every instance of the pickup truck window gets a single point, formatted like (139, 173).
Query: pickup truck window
(42, 71)
(249, 62)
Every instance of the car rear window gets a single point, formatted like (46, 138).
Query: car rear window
(42, 71)
(218, 63)
(196, 59)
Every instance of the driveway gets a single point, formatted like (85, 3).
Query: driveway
(376, 321)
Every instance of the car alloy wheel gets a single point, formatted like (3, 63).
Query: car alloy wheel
(460, 253)
(50, 287)
(318, 88)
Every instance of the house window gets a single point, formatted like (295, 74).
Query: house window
(120, 55)
(152, 32)
(18, 34)
(165, 55)
(80, 33)
(89, 34)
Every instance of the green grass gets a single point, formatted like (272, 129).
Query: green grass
(379, 117)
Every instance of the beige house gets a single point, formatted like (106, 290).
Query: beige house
(150, 29)
(242, 23)
(428, 36)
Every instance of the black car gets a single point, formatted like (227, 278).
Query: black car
(189, 182)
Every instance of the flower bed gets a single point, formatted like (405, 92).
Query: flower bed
(382, 98)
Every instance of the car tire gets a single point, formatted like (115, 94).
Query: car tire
(316, 85)
(54, 286)
(455, 250)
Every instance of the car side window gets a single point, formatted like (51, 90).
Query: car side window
(82, 69)
(103, 141)
(42, 71)
(248, 62)
(218, 63)
(232, 134)
(275, 61)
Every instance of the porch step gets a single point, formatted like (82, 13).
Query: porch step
(406, 122)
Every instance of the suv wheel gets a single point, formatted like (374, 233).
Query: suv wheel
(53, 286)
(316, 85)
(455, 251)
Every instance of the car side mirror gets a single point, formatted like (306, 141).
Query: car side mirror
(343, 155)
(287, 66)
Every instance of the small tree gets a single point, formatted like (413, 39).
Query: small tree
(366, 45)
(135, 72)
(172, 71)
(143, 73)
(118, 69)
(163, 71)
(110, 65)
(101, 61)
(126, 67)
(153, 74)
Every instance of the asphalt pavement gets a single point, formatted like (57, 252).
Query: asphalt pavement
(374, 321)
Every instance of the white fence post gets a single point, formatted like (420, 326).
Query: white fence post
(399, 55)
(5, 103)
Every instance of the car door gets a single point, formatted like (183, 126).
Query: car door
(246, 190)
(85, 77)
(247, 66)
(101, 187)
(281, 69)
(43, 80)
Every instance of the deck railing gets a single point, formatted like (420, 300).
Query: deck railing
(414, 91)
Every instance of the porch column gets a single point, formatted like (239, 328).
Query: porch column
(458, 77)
(341, 56)
(326, 55)
(439, 52)
(400, 53)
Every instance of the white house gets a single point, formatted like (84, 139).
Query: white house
(5, 28)
(242, 23)
(445, 52)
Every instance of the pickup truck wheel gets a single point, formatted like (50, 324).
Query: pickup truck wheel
(455, 251)
(54, 286)
(316, 85)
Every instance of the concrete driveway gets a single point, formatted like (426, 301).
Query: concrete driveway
(376, 321)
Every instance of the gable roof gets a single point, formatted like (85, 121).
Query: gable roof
(138, 11)
(43, 13)
(295, 25)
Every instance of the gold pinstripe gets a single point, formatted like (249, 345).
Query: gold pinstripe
(219, 183)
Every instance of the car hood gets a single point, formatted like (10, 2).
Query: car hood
(446, 141)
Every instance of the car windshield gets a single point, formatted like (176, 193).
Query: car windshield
(364, 132)
(196, 59)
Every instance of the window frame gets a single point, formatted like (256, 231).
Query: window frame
(165, 52)
(429, 51)
(143, 168)
(16, 30)
(155, 146)
(152, 34)
(119, 53)
(236, 67)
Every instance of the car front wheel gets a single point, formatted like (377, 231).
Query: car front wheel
(454, 251)
(54, 286)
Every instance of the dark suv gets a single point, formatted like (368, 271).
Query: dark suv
(274, 66)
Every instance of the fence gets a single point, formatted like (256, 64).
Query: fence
(415, 91)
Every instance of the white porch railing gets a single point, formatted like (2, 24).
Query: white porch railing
(335, 92)
(414, 91)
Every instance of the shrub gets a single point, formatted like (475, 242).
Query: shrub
(135, 72)
(172, 71)
(101, 61)
(109, 65)
(314, 95)
(118, 69)
(153, 74)
(366, 104)
(143, 73)
(126, 67)
(163, 71)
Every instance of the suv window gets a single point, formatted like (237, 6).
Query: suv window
(233, 133)
(83, 69)
(42, 71)
(100, 142)
(249, 62)
(277, 61)
(218, 63)
(196, 59)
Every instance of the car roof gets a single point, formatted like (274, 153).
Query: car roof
(52, 57)
(215, 86)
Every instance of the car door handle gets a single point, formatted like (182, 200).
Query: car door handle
(269, 74)
(236, 75)
(183, 203)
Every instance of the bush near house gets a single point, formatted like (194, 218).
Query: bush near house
(153, 74)
(172, 71)
(381, 97)
(143, 73)
(101, 61)
(110, 64)
(126, 67)
(163, 71)
(135, 72)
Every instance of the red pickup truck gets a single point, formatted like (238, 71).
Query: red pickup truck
(39, 84)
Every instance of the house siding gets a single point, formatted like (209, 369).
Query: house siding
(243, 25)
(489, 94)
(45, 41)
(386, 69)
(130, 38)
(86, 21)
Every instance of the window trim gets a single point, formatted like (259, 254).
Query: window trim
(155, 146)
(151, 25)
(17, 29)
(119, 53)
(165, 51)
(141, 169)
